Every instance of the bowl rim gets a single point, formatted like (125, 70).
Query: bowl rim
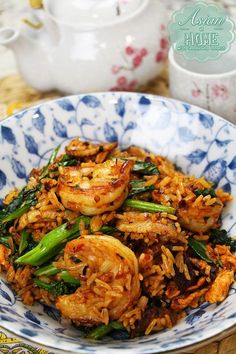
(100, 93)
(198, 345)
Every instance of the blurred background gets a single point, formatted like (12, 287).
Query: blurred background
(10, 11)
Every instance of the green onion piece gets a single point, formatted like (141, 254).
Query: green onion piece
(148, 206)
(4, 240)
(16, 214)
(108, 230)
(200, 248)
(56, 288)
(52, 242)
(68, 278)
(205, 192)
(145, 168)
(102, 330)
(142, 167)
(68, 160)
(50, 270)
(137, 183)
(52, 158)
(138, 190)
(117, 325)
(47, 271)
(23, 241)
(20, 205)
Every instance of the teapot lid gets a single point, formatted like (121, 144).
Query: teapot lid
(87, 14)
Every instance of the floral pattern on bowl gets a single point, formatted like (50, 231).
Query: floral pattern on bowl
(198, 141)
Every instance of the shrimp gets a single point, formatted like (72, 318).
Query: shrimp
(93, 189)
(80, 148)
(145, 223)
(109, 277)
(195, 213)
(200, 218)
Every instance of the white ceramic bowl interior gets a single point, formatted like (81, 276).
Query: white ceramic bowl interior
(198, 141)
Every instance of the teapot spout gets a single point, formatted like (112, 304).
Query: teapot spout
(8, 36)
(31, 57)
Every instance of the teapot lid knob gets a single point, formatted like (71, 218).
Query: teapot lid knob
(36, 4)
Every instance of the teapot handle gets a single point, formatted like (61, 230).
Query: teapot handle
(32, 24)
(35, 22)
(38, 19)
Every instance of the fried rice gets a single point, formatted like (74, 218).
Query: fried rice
(140, 267)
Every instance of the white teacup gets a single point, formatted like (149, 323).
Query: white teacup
(210, 85)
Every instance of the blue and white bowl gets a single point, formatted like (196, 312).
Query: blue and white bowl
(199, 142)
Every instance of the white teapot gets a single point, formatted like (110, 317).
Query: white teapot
(90, 45)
